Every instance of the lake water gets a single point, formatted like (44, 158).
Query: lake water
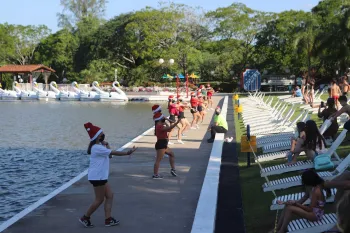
(43, 144)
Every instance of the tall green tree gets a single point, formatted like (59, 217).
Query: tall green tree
(75, 11)
(20, 42)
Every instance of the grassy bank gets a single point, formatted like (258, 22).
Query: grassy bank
(256, 203)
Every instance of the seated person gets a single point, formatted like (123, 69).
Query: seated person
(220, 125)
(313, 185)
(297, 92)
(325, 114)
(345, 109)
(299, 136)
(313, 143)
(341, 201)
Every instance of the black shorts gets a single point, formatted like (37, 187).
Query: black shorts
(181, 115)
(97, 183)
(193, 110)
(172, 117)
(200, 108)
(161, 144)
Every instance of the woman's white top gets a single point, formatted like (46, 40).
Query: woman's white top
(99, 163)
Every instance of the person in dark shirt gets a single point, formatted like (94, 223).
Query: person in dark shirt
(325, 114)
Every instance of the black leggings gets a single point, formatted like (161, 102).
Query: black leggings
(217, 129)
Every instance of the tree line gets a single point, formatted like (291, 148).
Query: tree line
(216, 45)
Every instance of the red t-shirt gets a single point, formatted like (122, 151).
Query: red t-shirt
(160, 133)
(194, 102)
(200, 102)
(181, 108)
(172, 109)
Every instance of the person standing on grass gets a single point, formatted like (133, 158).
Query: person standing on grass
(98, 173)
(335, 92)
(219, 126)
(161, 146)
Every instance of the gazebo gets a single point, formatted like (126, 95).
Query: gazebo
(31, 71)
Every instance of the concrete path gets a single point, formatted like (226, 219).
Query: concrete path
(140, 203)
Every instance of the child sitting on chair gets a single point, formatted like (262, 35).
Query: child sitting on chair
(314, 186)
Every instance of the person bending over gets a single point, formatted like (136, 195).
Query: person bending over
(219, 126)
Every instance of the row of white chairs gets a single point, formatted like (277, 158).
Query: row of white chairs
(273, 127)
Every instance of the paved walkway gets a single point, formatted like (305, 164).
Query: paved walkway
(140, 203)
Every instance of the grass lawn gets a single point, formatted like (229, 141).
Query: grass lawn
(256, 203)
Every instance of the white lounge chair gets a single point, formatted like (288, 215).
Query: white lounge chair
(304, 226)
(296, 180)
(296, 197)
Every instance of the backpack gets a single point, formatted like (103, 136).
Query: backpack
(323, 162)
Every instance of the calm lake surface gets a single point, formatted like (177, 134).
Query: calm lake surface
(43, 144)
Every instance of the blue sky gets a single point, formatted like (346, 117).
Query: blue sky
(44, 11)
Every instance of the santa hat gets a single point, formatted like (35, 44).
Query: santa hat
(200, 95)
(193, 94)
(92, 130)
(171, 97)
(156, 108)
(157, 116)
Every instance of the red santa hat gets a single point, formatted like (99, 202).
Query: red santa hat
(156, 108)
(171, 97)
(92, 130)
(157, 116)
(193, 94)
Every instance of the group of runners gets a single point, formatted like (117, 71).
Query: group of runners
(200, 102)
(100, 151)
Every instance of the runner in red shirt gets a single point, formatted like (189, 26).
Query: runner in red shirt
(194, 111)
(185, 124)
(210, 94)
(200, 107)
(161, 146)
(172, 113)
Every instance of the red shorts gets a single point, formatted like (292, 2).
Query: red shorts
(335, 97)
(209, 97)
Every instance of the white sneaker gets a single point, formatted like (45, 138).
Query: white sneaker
(193, 128)
(180, 142)
(170, 143)
(183, 135)
(197, 126)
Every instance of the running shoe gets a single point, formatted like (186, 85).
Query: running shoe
(170, 143)
(180, 142)
(173, 172)
(157, 177)
(109, 222)
(193, 128)
(86, 222)
(197, 126)
(183, 135)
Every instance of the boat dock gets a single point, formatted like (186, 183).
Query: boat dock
(140, 203)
